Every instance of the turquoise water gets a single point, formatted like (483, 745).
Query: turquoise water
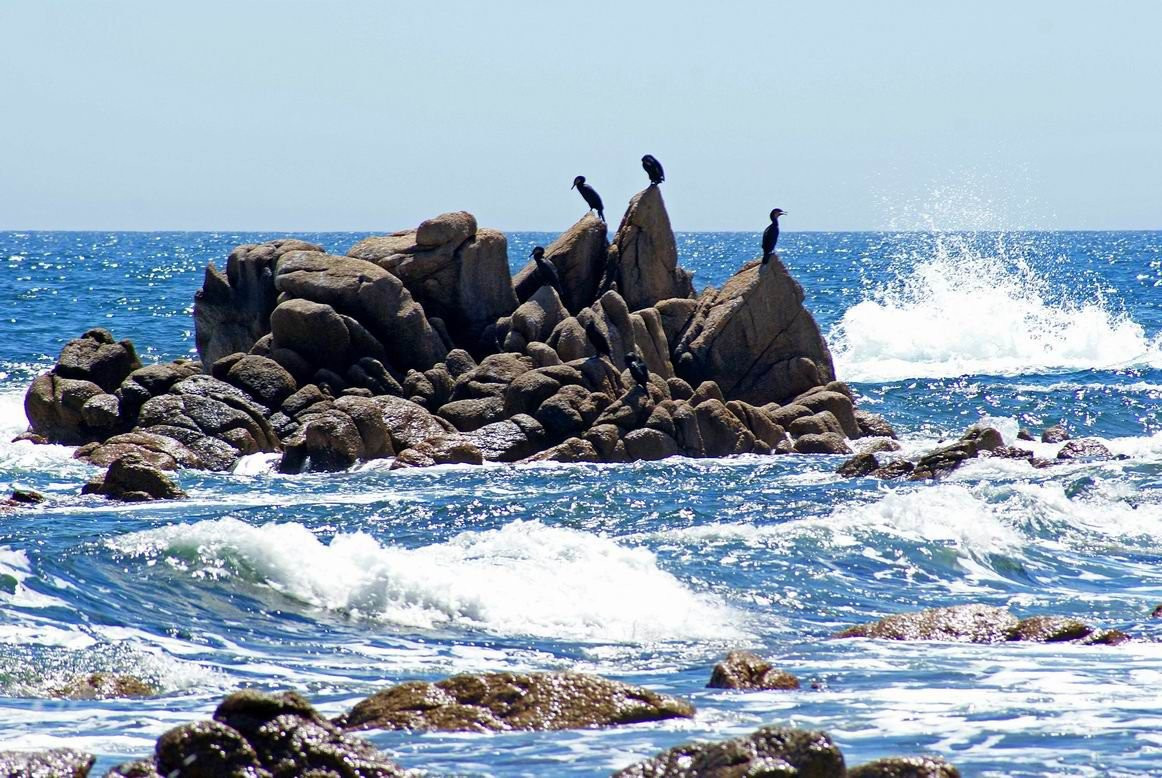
(338, 584)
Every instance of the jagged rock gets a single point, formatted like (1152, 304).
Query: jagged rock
(501, 702)
(820, 423)
(649, 445)
(770, 751)
(1083, 448)
(676, 315)
(1055, 434)
(160, 451)
(232, 309)
(579, 255)
(132, 479)
(873, 425)
(859, 465)
(103, 686)
(55, 763)
(263, 379)
(96, 357)
(837, 404)
(744, 670)
(905, 767)
(370, 295)
(827, 443)
(571, 450)
(944, 460)
(897, 469)
(755, 338)
(644, 256)
(721, 432)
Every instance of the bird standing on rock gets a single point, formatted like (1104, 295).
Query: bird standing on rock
(598, 339)
(638, 369)
(771, 235)
(546, 270)
(653, 169)
(590, 195)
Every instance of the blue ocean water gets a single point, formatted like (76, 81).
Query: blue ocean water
(336, 585)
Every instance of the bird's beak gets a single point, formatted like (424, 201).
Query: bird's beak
(574, 185)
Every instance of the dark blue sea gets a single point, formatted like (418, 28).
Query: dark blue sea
(337, 585)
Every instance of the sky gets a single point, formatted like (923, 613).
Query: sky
(372, 116)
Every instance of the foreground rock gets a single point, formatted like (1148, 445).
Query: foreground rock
(255, 734)
(57, 763)
(499, 702)
(747, 671)
(982, 624)
(131, 478)
(778, 751)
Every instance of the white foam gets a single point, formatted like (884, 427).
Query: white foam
(523, 579)
(953, 308)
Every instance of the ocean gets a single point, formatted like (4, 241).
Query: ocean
(337, 585)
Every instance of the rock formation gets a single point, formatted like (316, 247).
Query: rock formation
(418, 345)
(744, 670)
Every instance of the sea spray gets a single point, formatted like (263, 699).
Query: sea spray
(964, 303)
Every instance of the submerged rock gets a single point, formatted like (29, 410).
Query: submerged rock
(744, 670)
(500, 702)
(770, 751)
(981, 624)
(104, 686)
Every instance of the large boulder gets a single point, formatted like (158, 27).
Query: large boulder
(232, 309)
(263, 379)
(644, 256)
(579, 255)
(55, 409)
(755, 338)
(133, 479)
(96, 357)
(369, 294)
(501, 702)
(457, 272)
(744, 670)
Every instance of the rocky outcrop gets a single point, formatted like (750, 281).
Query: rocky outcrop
(643, 260)
(579, 255)
(255, 734)
(501, 702)
(103, 686)
(232, 309)
(456, 271)
(755, 339)
(981, 624)
(905, 767)
(976, 441)
(768, 751)
(746, 671)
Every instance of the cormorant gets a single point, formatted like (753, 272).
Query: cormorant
(547, 270)
(598, 339)
(771, 235)
(653, 169)
(590, 195)
(638, 369)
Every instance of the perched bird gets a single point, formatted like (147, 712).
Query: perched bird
(590, 195)
(546, 270)
(653, 169)
(598, 339)
(638, 369)
(771, 235)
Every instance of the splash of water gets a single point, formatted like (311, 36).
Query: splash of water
(965, 304)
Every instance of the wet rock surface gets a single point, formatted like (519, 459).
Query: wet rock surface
(500, 702)
(747, 671)
(981, 624)
(57, 763)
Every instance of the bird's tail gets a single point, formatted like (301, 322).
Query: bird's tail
(601, 214)
(766, 257)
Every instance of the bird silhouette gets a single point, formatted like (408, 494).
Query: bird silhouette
(638, 369)
(546, 270)
(598, 339)
(653, 169)
(591, 197)
(771, 235)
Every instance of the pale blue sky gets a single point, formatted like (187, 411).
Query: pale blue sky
(290, 115)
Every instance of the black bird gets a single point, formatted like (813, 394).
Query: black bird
(590, 195)
(771, 235)
(598, 339)
(653, 169)
(546, 270)
(638, 369)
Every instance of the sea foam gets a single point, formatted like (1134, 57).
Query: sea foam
(523, 579)
(956, 306)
